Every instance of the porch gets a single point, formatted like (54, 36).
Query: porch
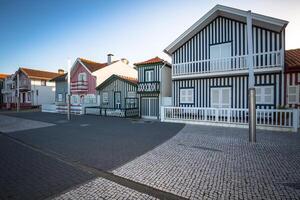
(268, 119)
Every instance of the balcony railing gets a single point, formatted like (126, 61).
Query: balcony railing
(234, 63)
(153, 86)
(287, 119)
(79, 86)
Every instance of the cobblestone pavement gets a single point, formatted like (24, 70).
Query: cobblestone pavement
(12, 124)
(103, 189)
(204, 162)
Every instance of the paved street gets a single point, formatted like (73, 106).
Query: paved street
(204, 162)
(28, 172)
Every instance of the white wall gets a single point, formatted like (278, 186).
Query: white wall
(118, 68)
(46, 94)
(166, 82)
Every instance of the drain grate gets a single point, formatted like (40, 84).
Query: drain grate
(200, 147)
(292, 185)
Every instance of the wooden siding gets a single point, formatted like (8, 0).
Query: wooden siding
(116, 86)
(222, 30)
(142, 69)
(91, 80)
(238, 85)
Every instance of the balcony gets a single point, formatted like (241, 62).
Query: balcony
(233, 65)
(79, 86)
(6, 90)
(153, 86)
(24, 85)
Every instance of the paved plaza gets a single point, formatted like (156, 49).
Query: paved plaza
(67, 159)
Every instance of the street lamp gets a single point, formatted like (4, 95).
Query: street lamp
(69, 90)
(251, 88)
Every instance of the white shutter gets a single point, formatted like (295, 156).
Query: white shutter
(215, 97)
(293, 94)
(226, 94)
(187, 95)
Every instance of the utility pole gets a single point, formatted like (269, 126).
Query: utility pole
(18, 92)
(69, 90)
(251, 88)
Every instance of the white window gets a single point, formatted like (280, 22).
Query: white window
(75, 100)
(105, 97)
(82, 76)
(187, 95)
(131, 94)
(59, 97)
(149, 75)
(293, 94)
(220, 56)
(220, 97)
(264, 95)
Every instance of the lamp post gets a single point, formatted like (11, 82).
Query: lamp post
(251, 88)
(18, 92)
(69, 90)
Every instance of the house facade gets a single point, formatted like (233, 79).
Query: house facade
(154, 83)
(2, 85)
(35, 87)
(292, 78)
(118, 96)
(86, 75)
(61, 89)
(209, 61)
(9, 92)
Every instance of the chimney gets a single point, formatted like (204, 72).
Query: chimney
(125, 61)
(109, 58)
(61, 71)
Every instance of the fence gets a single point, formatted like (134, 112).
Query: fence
(272, 119)
(113, 112)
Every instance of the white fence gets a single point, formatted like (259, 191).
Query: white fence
(260, 60)
(51, 108)
(272, 119)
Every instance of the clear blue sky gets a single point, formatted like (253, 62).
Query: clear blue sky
(43, 34)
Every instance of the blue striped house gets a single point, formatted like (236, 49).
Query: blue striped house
(154, 84)
(209, 61)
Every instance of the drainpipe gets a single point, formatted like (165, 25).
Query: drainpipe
(160, 87)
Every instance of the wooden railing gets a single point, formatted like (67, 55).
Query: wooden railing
(278, 118)
(260, 61)
(153, 86)
(79, 85)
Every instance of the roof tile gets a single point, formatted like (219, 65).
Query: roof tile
(292, 58)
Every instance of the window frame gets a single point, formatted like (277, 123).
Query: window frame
(186, 97)
(146, 76)
(220, 97)
(297, 94)
(59, 97)
(263, 96)
(82, 74)
(106, 100)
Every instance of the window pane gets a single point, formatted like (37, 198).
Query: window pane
(268, 91)
(215, 96)
(268, 99)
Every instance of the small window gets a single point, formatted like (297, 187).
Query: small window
(293, 94)
(221, 97)
(149, 75)
(264, 94)
(43, 83)
(187, 95)
(105, 97)
(59, 97)
(131, 94)
(82, 77)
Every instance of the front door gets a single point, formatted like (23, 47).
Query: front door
(117, 100)
(23, 97)
(149, 107)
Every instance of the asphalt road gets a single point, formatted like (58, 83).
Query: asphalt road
(104, 143)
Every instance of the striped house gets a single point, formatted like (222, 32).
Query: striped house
(292, 78)
(154, 83)
(209, 61)
(118, 96)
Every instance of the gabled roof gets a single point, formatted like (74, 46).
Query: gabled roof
(270, 23)
(3, 76)
(152, 61)
(61, 77)
(38, 74)
(94, 66)
(130, 80)
(292, 58)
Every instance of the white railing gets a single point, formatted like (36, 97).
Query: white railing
(271, 118)
(260, 61)
(51, 108)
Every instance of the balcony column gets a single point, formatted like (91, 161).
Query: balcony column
(251, 89)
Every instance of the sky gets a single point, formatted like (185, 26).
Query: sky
(44, 34)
